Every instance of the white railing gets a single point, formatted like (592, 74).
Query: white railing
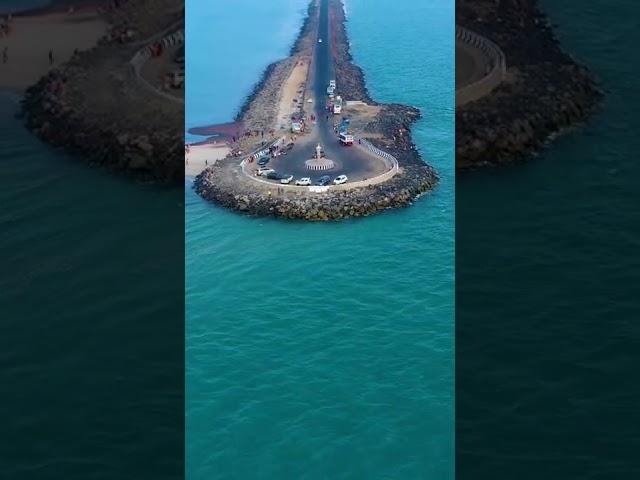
(145, 53)
(390, 161)
(496, 72)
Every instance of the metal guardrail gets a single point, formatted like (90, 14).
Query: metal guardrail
(392, 161)
(142, 55)
(496, 73)
(389, 159)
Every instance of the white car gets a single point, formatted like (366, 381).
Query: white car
(286, 180)
(303, 182)
(340, 180)
(265, 171)
(319, 40)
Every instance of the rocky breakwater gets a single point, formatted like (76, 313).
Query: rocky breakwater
(391, 129)
(545, 91)
(92, 106)
(349, 76)
(225, 184)
(100, 140)
(333, 204)
(260, 109)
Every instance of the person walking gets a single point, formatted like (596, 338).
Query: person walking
(50, 57)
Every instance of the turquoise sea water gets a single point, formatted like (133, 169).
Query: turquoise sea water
(546, 282)
(324, 350)
(91, 337)
(231, 43)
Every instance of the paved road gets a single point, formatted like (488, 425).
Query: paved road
(471, 65)
(353, 161)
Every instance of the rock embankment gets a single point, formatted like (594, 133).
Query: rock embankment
(226, 184)
(94, 107)
(545, 91)
(349, 76)
(400, 191)
(391, 129)
(260, 110)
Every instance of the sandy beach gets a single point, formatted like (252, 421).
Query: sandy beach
(201, 156)
(32, 37)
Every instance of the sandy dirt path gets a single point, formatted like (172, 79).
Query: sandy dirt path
(31, 39)
(292, 90)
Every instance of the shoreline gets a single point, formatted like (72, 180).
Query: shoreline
(201, 155)
(57, 32)
(96, 108)
(545, 93)
(390, 131)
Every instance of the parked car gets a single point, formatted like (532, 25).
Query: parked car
(303, 182)
(263, 161)
(340, 179)
(273, 175)
(265, 171)
(324, 180)
(286, 180)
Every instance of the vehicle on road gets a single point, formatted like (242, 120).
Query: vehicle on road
(337, 105)
(319, 40)
(332, 83)
(264, 171)
(286, 180)
(323, 180)
(263, 161)
(340, 179)
(344, 125)
(346, 139)
(273, 175)
(303, 182)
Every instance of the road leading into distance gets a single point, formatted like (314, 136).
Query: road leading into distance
(355, 162)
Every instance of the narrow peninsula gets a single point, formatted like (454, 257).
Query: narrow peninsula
(309, 143)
